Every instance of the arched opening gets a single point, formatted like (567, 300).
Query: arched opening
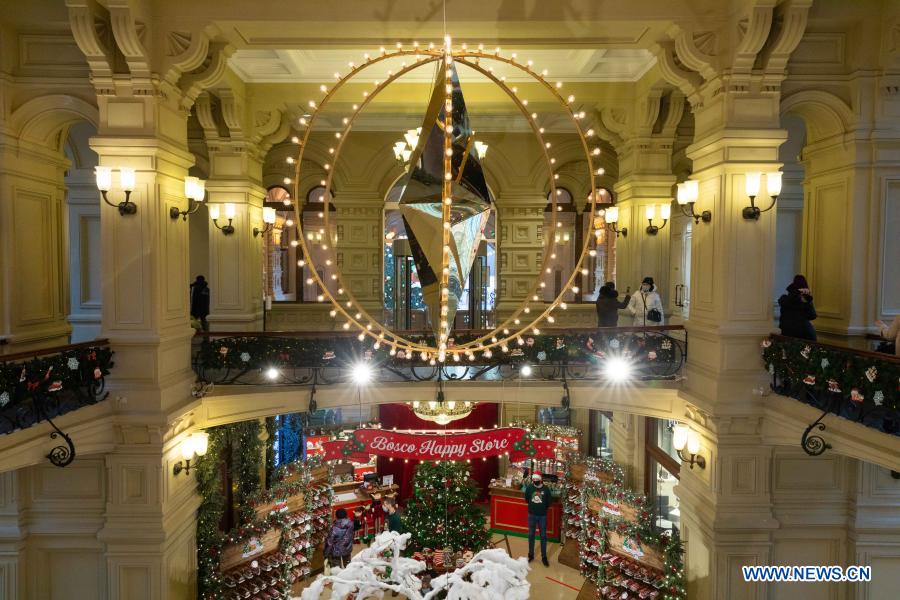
(789, 209)
(82, 215)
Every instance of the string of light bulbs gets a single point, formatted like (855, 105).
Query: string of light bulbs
(377, 331)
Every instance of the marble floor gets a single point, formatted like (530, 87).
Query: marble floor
(556, 582)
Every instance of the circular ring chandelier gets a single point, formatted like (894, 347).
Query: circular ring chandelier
(522, 320)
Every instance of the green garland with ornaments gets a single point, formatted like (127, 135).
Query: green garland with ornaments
(860, 380)
(242, 441)
(243, 354)
(643, 529)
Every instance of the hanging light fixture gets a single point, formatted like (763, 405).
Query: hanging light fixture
(439, 411)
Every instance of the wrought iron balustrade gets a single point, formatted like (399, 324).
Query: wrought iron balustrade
(317, 358)
(43, 384)
(854, 384)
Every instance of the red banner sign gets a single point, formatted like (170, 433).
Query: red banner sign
(439, 446)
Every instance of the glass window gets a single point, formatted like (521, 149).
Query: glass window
(662, 494)
(600, 441)
(602, 265)
(663, 468)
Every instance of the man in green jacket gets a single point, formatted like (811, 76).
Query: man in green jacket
(538, 498)
(393, 521)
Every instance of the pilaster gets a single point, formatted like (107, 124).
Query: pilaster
(33, 272)
(726, 508)
(149, 519)
(12, 537)
(235, 260)
(521, 243)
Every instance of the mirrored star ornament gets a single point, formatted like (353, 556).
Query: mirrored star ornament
(420, 202)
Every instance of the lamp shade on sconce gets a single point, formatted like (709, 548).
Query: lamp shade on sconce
(214, 211)
(230, 210)
(665, 211)
(751, 184)
(650, 211)
(693, 443)
(104, 178)
(268, 215)
(679, 437)
(126, 179)
(612, 214)
(773, 183)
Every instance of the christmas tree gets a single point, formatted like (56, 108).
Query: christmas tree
(441, 512)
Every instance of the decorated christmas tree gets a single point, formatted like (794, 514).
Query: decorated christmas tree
(441, 512)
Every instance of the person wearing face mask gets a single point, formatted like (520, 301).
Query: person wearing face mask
(538, 497)
(646, 305)
(797, 310)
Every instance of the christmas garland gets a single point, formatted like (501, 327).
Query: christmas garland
(47, 386)
(242, 440)
(861, 383)
(547, 431)
(656, 352)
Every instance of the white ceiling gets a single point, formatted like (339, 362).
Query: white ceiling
(318, 65)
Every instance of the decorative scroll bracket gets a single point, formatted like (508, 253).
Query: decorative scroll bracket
(61, 456)
(815, 445)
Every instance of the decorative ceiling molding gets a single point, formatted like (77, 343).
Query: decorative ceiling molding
(687, 82)
(82, 20)
(792, 28)
(193, 85)
(317, 65)
(690, 55)
(128, 33)
(755, 29)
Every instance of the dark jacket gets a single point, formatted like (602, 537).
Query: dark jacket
(199, 299)
(796, 315)
(340, 540)
(608, 306)
(538, 499)
(394, 522)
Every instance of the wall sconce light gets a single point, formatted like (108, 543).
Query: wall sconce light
(229, 214)
(194, 191)
(682, 436)
(268, 219)
(752, 183)
(665, 211)
(687, 194)
(612, 217)
(195, 444)
(126, 180)
(481, 148)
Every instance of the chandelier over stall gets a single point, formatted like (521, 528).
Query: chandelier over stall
(445, 204)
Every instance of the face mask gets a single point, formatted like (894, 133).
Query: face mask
(645, 287)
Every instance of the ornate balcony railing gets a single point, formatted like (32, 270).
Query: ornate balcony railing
(44, 384)
(857, 385)
(308, 358)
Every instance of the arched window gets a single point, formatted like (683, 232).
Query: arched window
(602, 265)
(287, 272)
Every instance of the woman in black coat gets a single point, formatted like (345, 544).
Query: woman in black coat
(608, 305)
(797, 310)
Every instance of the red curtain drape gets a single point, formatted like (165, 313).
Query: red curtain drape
(401, 417)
